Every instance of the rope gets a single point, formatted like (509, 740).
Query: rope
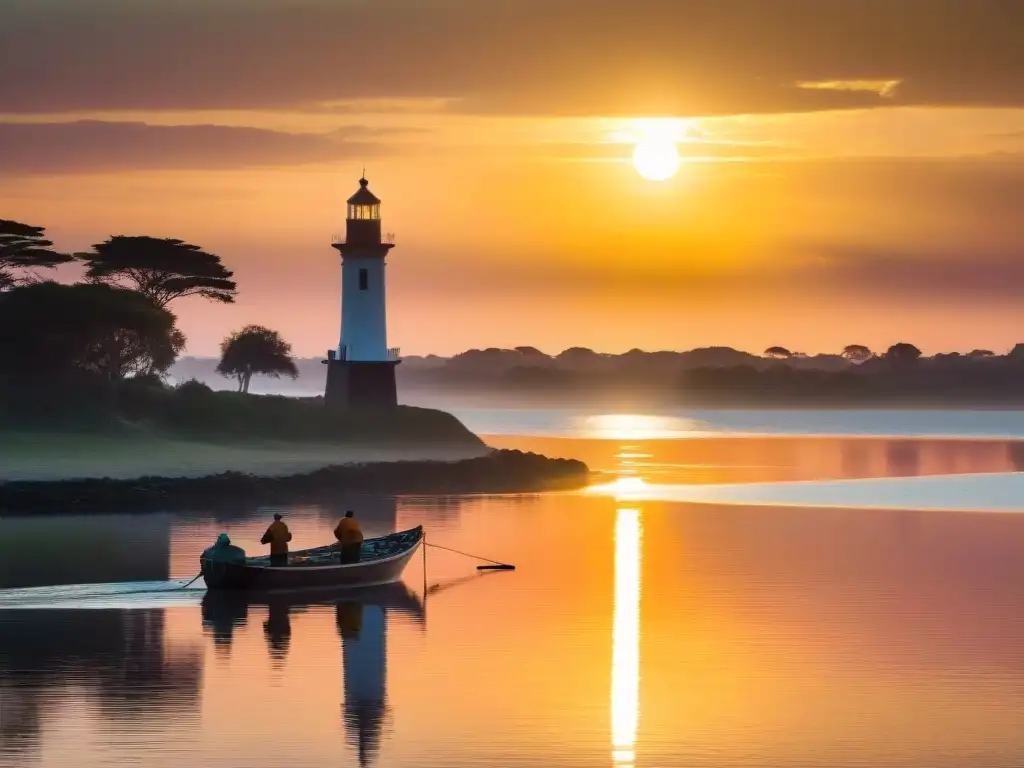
(465, 554)
(195, 578)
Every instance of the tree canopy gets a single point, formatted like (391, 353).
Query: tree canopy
(24, 247)
(903, 352)
(50, 329)
(255, 350)
(163, 269)
(779, 353)
(857, 353)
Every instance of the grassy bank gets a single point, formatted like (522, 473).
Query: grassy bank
(49, 456)
(194, 411)
(497, 472)
(138, 428)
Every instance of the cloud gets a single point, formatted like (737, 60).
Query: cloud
(368, 132)
(621, 151)
(689, 57)
(877, 231)
(378, 106)
(1011, 137)
(922, 231)
(928, 275)
(884, 88)
(93, 146)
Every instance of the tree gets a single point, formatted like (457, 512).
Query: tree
(530, 352)
(49, 329)
(778, 353)
(903, 353)
(255, 350)
(978, 353)
(857, 353)
(162, 269)
(23, 246)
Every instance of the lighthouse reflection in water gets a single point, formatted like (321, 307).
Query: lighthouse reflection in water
(363, 629)
(362, 625)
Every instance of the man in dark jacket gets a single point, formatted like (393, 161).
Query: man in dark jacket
(223, 551)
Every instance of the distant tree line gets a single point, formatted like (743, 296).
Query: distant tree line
(724, 376)
(711, 376)
(68, 345)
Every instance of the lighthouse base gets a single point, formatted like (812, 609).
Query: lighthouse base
(357, 384)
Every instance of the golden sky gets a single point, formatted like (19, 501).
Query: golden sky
(852, 171)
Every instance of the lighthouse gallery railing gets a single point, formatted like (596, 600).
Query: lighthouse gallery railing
(393, 354)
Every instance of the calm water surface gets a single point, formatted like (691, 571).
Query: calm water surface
(566, 422)
(638, 629)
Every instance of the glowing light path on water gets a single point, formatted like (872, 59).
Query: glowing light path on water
(625, 698)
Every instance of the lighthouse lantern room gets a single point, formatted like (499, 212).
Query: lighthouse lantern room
(361, 370)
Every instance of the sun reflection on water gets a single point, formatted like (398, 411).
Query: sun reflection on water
(623, 488)
(629, 483)
(631, 426)
(626, 637)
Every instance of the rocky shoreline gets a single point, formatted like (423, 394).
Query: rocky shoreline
(501, 471)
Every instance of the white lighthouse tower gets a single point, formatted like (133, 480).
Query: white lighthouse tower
(361, 370)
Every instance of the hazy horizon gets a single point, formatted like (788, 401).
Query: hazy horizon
(652, 350)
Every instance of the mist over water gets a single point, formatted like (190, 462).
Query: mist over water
(486, 412)
(726, 594)
(670, 423)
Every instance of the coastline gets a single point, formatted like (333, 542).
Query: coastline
(499, 471)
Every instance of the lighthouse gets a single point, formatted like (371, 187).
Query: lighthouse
(361, 370)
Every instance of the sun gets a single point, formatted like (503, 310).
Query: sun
(656, 159)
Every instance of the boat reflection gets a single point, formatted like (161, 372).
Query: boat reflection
(277, 628)
(362, 622)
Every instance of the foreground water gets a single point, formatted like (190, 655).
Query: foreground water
(776, 626)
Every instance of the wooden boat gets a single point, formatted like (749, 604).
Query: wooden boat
(382, 561)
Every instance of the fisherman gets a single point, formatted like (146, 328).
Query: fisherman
(350, 538)
(223, 551)
(277, 536)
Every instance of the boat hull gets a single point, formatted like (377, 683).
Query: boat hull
(260, 576)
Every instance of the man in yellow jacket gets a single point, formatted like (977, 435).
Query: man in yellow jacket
(277, 536)
(350, 538)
